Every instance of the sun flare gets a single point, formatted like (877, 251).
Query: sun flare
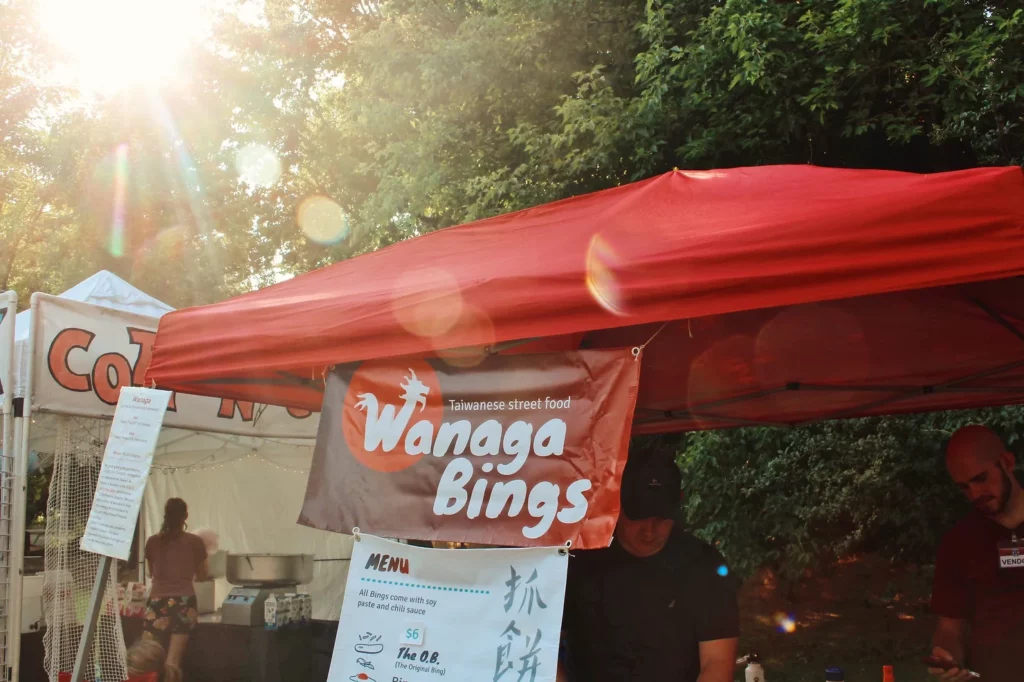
(108, 45)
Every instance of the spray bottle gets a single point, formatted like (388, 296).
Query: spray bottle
(754, 671)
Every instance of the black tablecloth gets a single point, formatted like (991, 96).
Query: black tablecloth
(228, 653)
(32, 657)
(324, 633)
(233, 653)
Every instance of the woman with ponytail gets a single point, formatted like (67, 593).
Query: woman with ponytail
(176, 558)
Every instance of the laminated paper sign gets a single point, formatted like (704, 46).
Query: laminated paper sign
(520, 450)
(126, 463)
(426, 615)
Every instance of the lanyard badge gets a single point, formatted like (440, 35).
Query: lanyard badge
(1011, 554)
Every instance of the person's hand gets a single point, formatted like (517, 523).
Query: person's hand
(954, 674)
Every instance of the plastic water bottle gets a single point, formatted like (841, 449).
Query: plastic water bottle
(270, 615)
(754, 671)
(835, 675)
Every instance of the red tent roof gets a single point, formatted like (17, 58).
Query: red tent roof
(773, 295)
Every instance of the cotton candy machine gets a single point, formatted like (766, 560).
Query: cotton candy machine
(256, 577)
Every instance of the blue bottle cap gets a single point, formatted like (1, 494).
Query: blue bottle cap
(834, 675)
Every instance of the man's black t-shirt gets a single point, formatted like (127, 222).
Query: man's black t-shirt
(628, 618)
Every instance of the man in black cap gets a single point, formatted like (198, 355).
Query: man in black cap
(658, 604)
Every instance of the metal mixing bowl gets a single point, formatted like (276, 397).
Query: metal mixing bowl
(269, 570)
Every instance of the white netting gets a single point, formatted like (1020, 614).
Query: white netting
(70, 572)
(6, 505)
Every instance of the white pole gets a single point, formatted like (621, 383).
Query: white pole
(141, 545)
(18, 509)
(6, 372)
(83, 659)
(7, 467)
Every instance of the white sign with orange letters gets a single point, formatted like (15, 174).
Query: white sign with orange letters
(422, 615)
(86, 354)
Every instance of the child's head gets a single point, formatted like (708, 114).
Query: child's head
(145, 656)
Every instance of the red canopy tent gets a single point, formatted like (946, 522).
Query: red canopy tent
(771, 295)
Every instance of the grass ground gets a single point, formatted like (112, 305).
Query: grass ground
(859, 615)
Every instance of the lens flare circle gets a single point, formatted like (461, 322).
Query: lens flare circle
(602, 278)
(427, 302)
(784, 622)
(472, 323)
(258, 165)
(322, 220)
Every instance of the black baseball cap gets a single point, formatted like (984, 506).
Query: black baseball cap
(651, 485)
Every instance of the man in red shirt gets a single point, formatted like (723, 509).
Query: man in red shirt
(978, 593)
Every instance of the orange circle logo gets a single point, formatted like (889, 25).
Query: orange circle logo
(384, 407)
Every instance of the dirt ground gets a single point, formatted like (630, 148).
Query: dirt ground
(859, 615)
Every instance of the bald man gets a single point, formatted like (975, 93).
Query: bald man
(978, 593)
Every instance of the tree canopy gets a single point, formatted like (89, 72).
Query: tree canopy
(310, 131)
(404, 116)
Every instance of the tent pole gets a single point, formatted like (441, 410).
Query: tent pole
(141, 551)
(8, 446)
(955, 383)
(83, 658)
(951, 386)
(507, 345)
(18, 511)
(1002, 321)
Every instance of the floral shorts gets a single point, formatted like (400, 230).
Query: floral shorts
(170, 616)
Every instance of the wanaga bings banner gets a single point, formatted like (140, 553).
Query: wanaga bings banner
(520, 450)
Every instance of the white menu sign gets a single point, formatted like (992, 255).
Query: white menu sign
(415, 615)
(125, 469)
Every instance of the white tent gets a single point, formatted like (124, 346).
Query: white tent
(241, 467)
(104, 289)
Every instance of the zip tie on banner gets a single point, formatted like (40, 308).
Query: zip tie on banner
(564, 551)
(356, 534)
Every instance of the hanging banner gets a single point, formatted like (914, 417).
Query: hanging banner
(127, 460)
(86, 354)
(521, 450)
(423, 615)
